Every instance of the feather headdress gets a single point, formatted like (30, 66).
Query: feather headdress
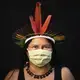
(38, 28)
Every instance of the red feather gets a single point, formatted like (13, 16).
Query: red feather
(45, 25)
(33, 24)
(38, 16)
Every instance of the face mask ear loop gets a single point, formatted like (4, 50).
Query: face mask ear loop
(27, 52)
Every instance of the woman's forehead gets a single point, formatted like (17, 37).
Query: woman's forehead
(39, 40)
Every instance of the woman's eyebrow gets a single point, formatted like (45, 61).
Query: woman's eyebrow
(34, 45)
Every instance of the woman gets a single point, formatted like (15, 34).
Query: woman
(40, 51)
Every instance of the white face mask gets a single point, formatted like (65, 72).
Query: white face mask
(40, 57)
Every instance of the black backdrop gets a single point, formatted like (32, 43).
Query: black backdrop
(66, 18)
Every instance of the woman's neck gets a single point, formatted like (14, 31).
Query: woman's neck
(39, 70)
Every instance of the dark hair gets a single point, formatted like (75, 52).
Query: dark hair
(53, 59)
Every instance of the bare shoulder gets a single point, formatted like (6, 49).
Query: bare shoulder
(12, 75)
(66, 74)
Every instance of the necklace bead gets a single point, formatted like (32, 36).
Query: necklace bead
(38, 76)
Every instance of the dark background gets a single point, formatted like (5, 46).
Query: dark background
(66, 18)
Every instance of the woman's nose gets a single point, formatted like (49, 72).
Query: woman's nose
(40, 47)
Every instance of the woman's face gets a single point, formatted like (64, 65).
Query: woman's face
(39, 51)
(39, 43)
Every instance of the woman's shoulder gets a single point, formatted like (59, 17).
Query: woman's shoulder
(66, 74)
(12, 75)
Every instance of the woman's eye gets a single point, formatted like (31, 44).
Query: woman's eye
(35, 46)
(47, 46)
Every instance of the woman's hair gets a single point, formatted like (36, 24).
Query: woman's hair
(53, 59)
